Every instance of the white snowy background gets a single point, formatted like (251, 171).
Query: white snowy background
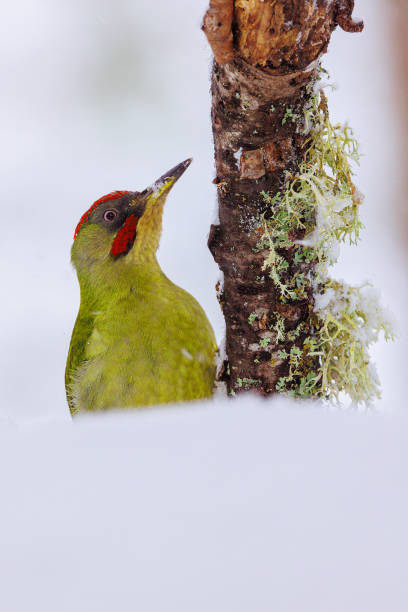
(223, 506)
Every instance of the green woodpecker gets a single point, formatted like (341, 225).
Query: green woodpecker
(138, 338)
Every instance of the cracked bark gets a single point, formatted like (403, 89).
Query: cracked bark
(266, 57)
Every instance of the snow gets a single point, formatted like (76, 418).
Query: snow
(244, 505)
(237, 156)
(322, 300)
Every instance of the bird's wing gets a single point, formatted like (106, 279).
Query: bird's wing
(83, 328)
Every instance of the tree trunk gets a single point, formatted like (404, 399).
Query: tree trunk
(266, 63)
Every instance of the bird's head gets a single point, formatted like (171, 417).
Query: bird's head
(123, 225)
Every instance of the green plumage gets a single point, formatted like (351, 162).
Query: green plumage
(138, 338)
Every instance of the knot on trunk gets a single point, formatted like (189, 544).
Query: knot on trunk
(272, 156)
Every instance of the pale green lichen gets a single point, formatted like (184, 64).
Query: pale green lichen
(247, 383)
(279, 328)
(252, 318)
(320, 201)
(320, 204)
(289, 114)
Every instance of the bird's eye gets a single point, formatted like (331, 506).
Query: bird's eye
(110, 215)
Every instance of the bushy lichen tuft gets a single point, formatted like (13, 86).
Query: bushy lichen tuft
(346, 321)
(349, 320)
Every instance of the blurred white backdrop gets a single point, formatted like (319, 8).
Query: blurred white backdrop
(101, 95)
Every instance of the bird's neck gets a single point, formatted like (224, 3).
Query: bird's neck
(123, 277)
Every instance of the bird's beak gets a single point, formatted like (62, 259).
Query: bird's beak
(148, 206)
(162, 186)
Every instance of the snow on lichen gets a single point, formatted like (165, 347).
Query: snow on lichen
(349, 321)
